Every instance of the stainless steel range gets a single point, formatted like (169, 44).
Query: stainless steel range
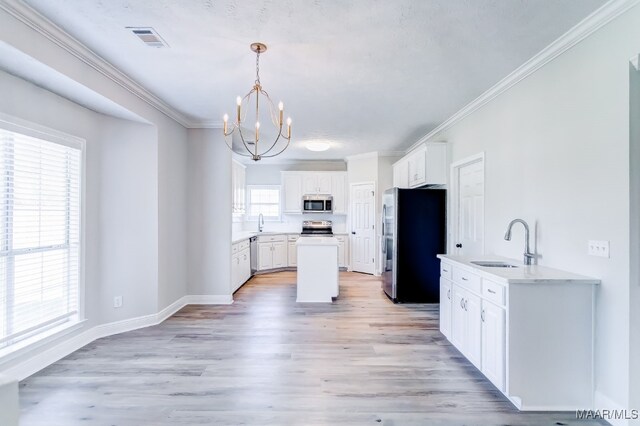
(317, 228)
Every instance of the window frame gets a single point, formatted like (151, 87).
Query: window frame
(46, 333)
(266, 218)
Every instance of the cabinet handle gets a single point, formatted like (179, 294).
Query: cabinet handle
(445, 270)
(482, 315)
(465, 304)
(464, 279)
(449, 294)
(491, 291)
(462, 303)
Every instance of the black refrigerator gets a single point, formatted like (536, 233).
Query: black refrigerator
(413, 233)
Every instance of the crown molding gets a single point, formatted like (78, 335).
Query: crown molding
(204, 124)
(34, 20)
(602, 16)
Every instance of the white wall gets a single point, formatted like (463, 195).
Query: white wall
(209, 213)
(128, 217)
(634, 252)
(556, 149)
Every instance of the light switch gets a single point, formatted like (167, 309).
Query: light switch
(599, 248)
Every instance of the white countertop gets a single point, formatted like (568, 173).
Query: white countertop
(236, 237)
(521, 274)
(317, 241)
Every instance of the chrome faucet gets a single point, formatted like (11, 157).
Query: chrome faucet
(260, 222)
(528, 256)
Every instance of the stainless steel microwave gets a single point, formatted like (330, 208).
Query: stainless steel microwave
(317, 203)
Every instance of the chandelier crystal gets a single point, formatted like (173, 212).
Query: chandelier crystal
(257, 96)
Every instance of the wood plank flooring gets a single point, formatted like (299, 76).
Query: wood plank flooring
(266, 360)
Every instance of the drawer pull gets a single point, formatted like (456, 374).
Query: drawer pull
(464, 279)
(491, 291)
(445, 270)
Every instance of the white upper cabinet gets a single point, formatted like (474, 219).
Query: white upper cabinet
(238, 188)
(417, 167)
(297, 184)
(425, 165)
(339, 192)
(292, 192)
(316, 182)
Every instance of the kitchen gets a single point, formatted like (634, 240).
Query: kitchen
(525, 113)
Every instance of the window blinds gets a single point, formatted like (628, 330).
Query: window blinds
(39, 235)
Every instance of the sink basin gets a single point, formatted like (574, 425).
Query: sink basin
(493, 264)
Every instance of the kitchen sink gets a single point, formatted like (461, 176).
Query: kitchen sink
(493, 264)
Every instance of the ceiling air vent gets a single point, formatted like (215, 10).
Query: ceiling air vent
(149, 36)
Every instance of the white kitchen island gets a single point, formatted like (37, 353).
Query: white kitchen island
(318, 274)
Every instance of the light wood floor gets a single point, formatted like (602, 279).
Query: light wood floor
(266, 360)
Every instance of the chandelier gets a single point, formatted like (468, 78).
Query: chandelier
(255, 148)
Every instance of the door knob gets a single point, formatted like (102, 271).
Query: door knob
(458, 245)
(353, 232)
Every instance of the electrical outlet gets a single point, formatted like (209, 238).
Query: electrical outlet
(117, 302)
(598, 248)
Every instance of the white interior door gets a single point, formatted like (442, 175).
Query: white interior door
(363, 245)
(469, 207)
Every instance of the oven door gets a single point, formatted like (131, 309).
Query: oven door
(313, 206)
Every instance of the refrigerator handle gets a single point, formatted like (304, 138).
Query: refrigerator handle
(383, 238)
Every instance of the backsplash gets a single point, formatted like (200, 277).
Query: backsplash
(293, 223)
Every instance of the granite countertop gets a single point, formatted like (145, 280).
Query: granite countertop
(521, 274)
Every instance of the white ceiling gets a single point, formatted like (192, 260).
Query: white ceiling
(365, 75)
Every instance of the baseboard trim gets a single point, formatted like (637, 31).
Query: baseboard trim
(207, 299)
(41, 360)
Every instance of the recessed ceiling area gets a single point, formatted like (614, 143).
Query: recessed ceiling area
(363, 75)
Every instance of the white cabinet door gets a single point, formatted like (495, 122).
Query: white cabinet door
(458, 319)
(339, 192)
(265, 256)
(292, 254)
(235, 272)
(279, 254)
(417, 167)
(445, 307)
(493, 343)
(324, 183)
(401, 174)
(292, 185)
(245, 265)
(309, 183)
(473, 344)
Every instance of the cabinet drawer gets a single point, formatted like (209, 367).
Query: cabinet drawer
(234, 248)
(293, 237)
(493, 292)
(243, 245)
(445, 270)
(467, 280)
(271, 238)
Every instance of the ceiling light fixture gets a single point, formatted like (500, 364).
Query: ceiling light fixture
(318, 146)
(253, 98)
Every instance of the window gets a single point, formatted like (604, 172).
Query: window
(39, 235)
(263, 199)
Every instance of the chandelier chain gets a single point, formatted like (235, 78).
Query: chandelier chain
(258, 67)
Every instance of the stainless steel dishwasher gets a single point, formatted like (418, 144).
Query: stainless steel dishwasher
(253, 241)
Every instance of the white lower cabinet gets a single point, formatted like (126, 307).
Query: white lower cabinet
(493, 343)
(466, 324)
(529, 331)
(272, 252)
(445, 307)
(240, 264)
